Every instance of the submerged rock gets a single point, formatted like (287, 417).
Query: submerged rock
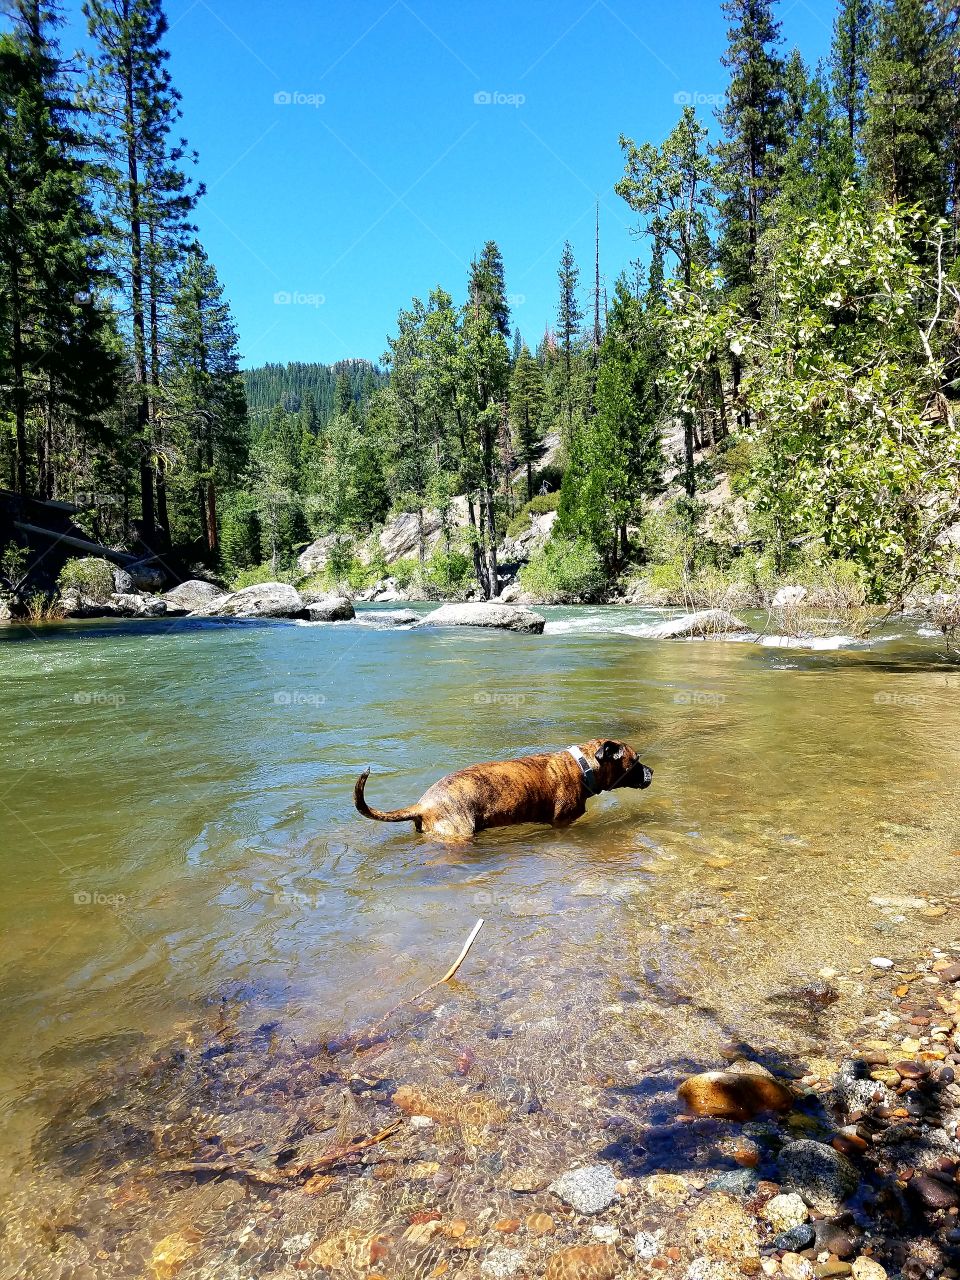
(585, 1262)
(388, 617)
(263, 600)
(701, 626)
(821, 1175)
(785, 1211)
(488, 613)
(735, 1095)
(588, 1190)
(721, 1227)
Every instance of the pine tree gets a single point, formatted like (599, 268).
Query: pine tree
(489, 270)
(527, 401)
(569, 320)
(58, 354)
(753, 127)
(203, 397)
(853, 35)
(145, 191)
(909, 109)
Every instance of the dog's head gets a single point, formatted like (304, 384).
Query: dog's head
(616, 764)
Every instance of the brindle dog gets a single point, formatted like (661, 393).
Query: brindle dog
(553, 787)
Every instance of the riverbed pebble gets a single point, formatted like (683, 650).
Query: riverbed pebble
(794, 1267)
(785, 1211)
(868, 1269)
(584, 1262)
(588, 1190)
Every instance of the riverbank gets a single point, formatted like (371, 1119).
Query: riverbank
(437, 1142)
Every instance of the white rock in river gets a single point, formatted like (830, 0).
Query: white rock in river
(487, 613)
(588, 1190)
(263, 600)
(193, 596)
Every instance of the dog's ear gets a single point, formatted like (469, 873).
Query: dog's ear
(609, 751)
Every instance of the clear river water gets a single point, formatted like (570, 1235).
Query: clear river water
(178, 830)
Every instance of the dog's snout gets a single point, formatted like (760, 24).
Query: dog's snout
(647, 776)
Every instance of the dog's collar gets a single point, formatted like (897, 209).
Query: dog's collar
(586, 769)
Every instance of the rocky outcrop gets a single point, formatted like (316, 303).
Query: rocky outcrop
(703, 625)
(489, 613)
(330, 609)
(137, 578)
(263, 600)
(194, 596)
(123, 604)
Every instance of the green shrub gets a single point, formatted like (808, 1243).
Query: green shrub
(262, 573)
(404, 571)
(564, 570)
(90, 576)
(537, 506)
(448, 573)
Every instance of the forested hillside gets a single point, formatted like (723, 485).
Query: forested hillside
(792, 328)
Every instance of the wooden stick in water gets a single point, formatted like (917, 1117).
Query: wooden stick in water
(440, 981)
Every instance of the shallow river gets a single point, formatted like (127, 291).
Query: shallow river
(178, 827)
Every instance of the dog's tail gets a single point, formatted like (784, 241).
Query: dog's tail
(410, 814)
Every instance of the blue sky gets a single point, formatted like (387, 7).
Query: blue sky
(375, 174)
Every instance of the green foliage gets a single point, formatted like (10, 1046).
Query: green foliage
(565, 570)
(260, 573)
(538, 505)
(448, 574)
(90, 576)
(857, 448)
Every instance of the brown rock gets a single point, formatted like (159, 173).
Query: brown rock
(585, 1262)
(171, 1253)
(541, 1224)
(950, 974)
(731, 1095)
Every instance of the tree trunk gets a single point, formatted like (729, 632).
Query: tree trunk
(213, 541)
(689, 476)
(147, 512)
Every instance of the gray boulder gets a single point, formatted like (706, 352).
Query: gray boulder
(489, 613)
(74, 604)
(263, 600)
(330, 609)
(138, 577)
(701, 625)
(195, 596)
(131, 604)
(6, 613)
(822, 1176)
(388, 618)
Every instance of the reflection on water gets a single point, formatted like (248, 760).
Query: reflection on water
(178, 826)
